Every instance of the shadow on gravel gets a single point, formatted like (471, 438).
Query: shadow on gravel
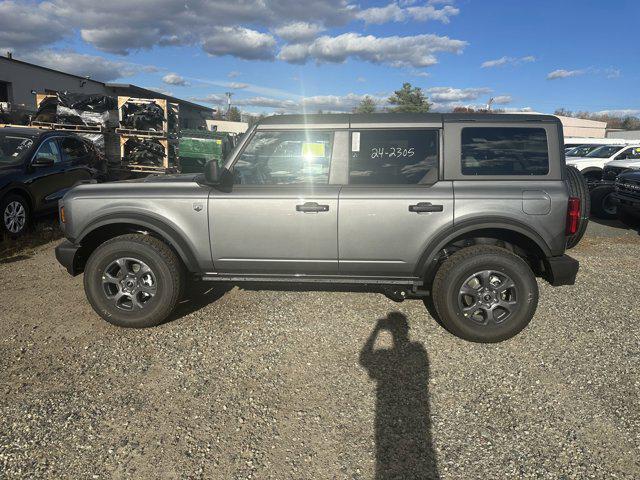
(615, 224)
(404, 446)
(198, 295)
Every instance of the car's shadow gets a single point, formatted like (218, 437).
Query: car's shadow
(197, 295)
(615, 224)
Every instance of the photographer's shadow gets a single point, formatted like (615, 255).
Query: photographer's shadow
(404, 447)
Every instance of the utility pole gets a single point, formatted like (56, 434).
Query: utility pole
(228, 94)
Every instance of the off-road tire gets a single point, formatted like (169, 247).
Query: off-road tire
(167, 268)
(599, 197)
(10, 199)
(629, 218)
(578, 187)
(453, 273)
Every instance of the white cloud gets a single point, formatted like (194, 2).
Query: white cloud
(331, 103)
(625, 112)
(411, 51)
(98, 68)
(175, 79)
(298, 31)
(240, 42)
(28, 25)
(395, 12)
(502, 99)
(450, 94)
(118, 27)
(237, 85)
(162, 90)
(428, 12)
(379, 15)
(562, 73)
(508, 61)
(233, 74)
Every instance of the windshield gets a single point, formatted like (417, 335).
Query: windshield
(13, 148)
(581, 151)
(604, 152)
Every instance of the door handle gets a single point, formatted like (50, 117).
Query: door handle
(312, 207)
(423, 207)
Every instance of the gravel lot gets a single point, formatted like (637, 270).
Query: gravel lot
(272, 384)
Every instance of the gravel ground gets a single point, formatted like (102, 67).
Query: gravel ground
(272, 384)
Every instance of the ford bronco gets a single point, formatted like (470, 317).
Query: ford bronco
(463, 211)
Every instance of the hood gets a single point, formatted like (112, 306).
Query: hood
(632, 175)
(584, 159)
(624, 164)
(173, 178)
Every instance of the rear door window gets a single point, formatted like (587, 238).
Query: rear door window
(504, 151)
(393, 157)
(73, 149)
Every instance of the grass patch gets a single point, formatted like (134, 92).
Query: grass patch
(41, 232)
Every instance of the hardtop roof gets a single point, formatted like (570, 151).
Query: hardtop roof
(360, 118)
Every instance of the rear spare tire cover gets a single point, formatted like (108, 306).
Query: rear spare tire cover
(577, 185)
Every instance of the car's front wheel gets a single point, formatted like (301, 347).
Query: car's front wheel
(133, 280)
(15, 214)
(485, 294)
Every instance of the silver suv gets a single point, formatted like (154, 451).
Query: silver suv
(462, 211)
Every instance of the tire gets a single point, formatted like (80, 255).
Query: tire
(601, 205)
(14, 215)
(134, 281)
(578, 188)
(488, 323)
(628, 217)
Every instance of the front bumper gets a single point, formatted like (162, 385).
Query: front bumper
(561, 270)
(67, 256)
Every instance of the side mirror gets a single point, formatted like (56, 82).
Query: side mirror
(212, 172)
(42, 161)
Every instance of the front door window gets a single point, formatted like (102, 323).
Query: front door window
(285, 158)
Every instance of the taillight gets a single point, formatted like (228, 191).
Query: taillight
(62, 217)
(573, 215)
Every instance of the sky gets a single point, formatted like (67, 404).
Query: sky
(295, 56)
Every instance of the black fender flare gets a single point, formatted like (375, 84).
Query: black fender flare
(146, 221)
(428, 259)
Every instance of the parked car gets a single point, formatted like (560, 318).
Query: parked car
(37, 167)
(463, 212)
(588, 144)
(627, 197)
(592, 164)
(603, 204)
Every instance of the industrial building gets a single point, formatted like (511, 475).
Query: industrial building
(20, 81)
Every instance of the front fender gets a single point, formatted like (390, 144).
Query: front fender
(146, 222)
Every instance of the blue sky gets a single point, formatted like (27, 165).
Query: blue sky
(286, 55)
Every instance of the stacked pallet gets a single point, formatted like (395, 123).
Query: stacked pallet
(90, 116)
(148, 135)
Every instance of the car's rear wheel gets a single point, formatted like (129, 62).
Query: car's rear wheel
(134, 280)
(602, 202)
(485, 294)
(15, 214)
(629, 217)
(578, 187)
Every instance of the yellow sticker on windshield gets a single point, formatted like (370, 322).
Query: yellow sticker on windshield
(310, 149)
